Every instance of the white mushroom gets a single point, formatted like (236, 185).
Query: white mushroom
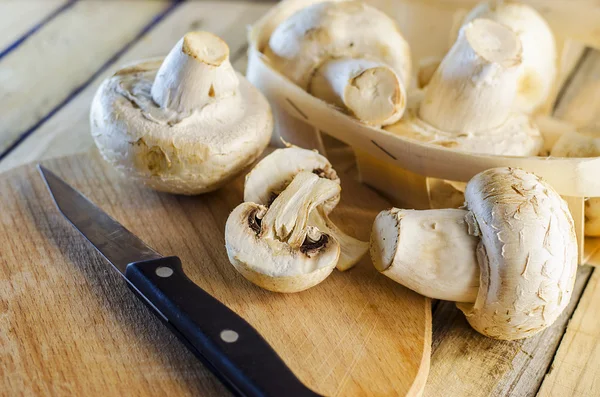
(273, 174)
(509, 258)
(538, 73)
(347, 53)
(274, 247)
(582, 144)
(469, 100)
(186, 125)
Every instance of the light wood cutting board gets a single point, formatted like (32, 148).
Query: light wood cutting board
(70, 326)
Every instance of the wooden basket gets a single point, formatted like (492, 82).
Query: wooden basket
(412, 167)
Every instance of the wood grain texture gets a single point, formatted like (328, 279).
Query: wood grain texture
(17, 17)
(575, 370)
(465, 363)
(68, 132)
(73, 328)
(62, 55)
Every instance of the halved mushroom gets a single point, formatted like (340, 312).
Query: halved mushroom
(509, 258)
(538, 73)
(275, 247)
(347, 53)
(272, 175)
(185, 125)
(468, 104)
(582, 144)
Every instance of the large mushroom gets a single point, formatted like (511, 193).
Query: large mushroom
(538, 72)
(582, 144)
(273, 174)
(185, 125)
(347, 53)
(509, 259)
(468, 104)
(275, 247)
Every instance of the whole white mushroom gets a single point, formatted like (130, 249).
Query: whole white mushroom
(348, 54)
(509, 259)
(184, 125)
(538, 72)
(468, 104)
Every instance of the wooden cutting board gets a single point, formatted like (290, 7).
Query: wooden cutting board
(70, 326)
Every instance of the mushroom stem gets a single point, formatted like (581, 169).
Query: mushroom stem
(287, 217)
(430, 252)
(196, 72)
(371, 91)
(475, 86)
(351, 249)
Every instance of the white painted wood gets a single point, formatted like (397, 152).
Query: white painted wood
(44, 70)
(17, 17)
(67, 132)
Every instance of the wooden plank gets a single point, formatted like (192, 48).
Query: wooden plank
(465, 363)
(61, 56)
(18, 17)
(73, 328)
(575, 370)
(67, 131)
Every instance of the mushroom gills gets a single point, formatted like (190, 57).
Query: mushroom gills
(275, 247)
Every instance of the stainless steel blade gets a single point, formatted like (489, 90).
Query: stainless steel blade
(117, 244)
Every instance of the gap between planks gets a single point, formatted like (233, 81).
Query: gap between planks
(19, 20)
(61, 59)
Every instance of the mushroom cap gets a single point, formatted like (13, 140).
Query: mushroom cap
(192, 155)
(527, 254)
(539, 48)
(518, 136)
(271, 175)
(329, 30)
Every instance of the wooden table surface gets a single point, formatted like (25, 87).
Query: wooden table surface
(55, 53)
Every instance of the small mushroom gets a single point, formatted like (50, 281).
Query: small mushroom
(275, 247)
(468, 104)
(273, 174)
(185, 125)
(347, 53)
(509, 259)
(538, 72)
(582, 144)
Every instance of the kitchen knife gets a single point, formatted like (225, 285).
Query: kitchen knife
(226, 343)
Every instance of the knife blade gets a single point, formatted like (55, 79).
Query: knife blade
(227, 344)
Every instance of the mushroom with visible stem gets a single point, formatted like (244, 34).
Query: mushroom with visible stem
(469, 100)
(347, 53)
(538, 72)
(185, 125)
(582, 144)
(509, 258)
(274, 173)
(275, 247)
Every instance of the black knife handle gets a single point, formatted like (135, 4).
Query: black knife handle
(241, 358)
